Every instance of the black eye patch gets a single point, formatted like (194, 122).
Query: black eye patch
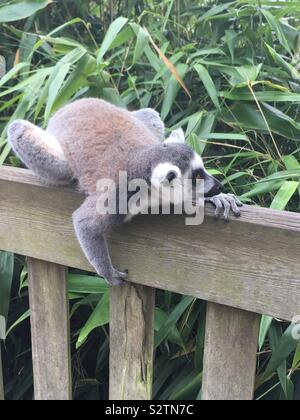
(171, 176)
(198, 175)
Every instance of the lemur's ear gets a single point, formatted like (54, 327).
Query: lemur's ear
(177, 136)
(152, 120)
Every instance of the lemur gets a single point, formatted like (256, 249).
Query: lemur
(91, 139)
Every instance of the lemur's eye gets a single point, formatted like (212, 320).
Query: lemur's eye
(171, 176)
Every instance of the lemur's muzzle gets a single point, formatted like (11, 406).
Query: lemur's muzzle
(214, 187)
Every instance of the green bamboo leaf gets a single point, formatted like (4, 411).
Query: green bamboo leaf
(247, 74)
(262, 188)
(172, 89)
(98, 318)
(58, 76)
(193, 123)
(265, 325)
(43, 72)
(174, 335)
(215, 10)
(187, 388)
(277, 338)
(2, 66)
(291, 163)
(21, 9)
(77, 79)
(208, 83)
(110, 36)
(227, 136)
(230, 39)
(283, 196)
(285, 346)
(177, 312)
(247, 116)
(19, 321)
(56, 81)
(12, 73)
(276, 26)
(287, 67)
(123, 36)
(271, 96)
(65, 25)
(141, 43)
(90, 300)
(296, 360)
(86, 284)
(6, 276)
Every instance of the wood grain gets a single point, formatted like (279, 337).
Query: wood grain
(50, 332)
(1, 378)
(229, 353)
(251, 263)
(131, 342)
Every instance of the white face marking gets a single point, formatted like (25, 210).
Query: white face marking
(160, 172)
(197, 162)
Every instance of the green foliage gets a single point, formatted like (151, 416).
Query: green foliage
(6, 276)
(239, 61)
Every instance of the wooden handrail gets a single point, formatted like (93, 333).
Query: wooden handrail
(250, 265)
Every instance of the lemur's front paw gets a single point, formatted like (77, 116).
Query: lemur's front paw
(117, 278)
(224, 203)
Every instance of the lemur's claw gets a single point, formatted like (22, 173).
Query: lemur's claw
(224, 203)
(116, 281)
(123, 275)
(118, 278)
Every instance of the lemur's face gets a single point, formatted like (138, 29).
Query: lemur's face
(179, 163)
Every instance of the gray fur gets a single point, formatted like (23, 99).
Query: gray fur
(152, 120)
(143, 161)
(89, 140)
(90, 229)
(27, 146)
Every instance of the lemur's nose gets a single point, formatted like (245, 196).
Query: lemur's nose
(171, 176)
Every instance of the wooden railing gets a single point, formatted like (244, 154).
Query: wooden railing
(244, 268)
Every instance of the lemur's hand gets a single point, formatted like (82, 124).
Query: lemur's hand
(224, 203)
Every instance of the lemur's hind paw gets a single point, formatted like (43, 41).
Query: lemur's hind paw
(224, 203)
(118, 278)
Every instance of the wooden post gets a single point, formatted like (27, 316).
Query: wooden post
(230, 353)
(1, 378)
(50, 330)
(131, 342)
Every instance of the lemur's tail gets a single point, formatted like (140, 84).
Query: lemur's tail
(40, 152)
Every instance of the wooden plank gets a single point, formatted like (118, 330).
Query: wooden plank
(49, 330)
(1, 378)
(131, 342)
(252, 215)
(251, 263)
(230, 353)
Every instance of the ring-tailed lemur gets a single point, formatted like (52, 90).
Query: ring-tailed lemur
(91, 139)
